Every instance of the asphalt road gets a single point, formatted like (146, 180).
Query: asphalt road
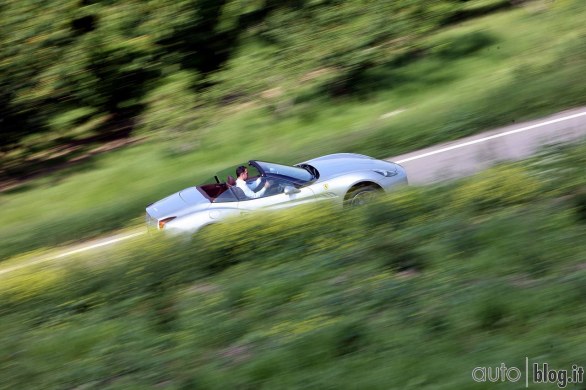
(441, 162)
(472, 154)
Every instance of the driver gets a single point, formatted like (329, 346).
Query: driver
(242, 175)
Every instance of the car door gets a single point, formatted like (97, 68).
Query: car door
(224, 206)
(278, 198)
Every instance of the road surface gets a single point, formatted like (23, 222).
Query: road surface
(437, 163)
(472, 154)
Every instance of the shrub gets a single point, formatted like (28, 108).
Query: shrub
(174, 113)
(495, 188)
(454, 46)
(580, 205)
(399, 207)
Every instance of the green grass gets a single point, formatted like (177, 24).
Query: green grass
(506, 67)
(413, 291)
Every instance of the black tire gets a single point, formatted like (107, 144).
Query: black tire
(359, 196)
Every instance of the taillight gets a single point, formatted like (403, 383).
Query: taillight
(163, 222)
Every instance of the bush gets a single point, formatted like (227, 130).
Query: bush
(401, 207)
(174, 112)
(495, 188)
(454, 46)
(580, 205)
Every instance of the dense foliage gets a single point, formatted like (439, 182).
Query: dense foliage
(65, 63)
(411, 292)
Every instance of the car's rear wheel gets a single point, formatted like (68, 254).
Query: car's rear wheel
(362, 195)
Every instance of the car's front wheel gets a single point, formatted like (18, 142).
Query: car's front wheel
(362, 195)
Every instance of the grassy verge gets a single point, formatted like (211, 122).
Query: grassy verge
(411, 292)
(483, 73)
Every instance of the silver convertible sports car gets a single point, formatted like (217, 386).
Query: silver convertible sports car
(344, 178)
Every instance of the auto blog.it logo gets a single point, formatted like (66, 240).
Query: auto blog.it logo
(535, 373)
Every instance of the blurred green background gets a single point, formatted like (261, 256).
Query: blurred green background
(107, 106)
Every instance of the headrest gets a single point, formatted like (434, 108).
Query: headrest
(230, 181)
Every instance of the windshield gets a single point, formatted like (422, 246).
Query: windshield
(298, 175)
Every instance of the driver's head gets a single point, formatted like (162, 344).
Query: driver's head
(242, 172)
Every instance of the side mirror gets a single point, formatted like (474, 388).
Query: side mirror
(290, 190)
